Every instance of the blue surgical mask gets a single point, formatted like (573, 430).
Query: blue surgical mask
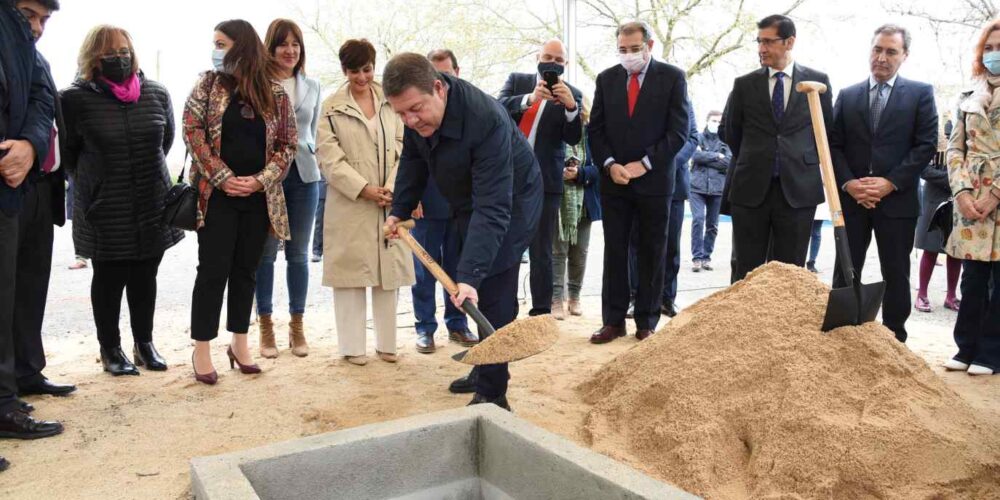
(992, 62)
(218, 59)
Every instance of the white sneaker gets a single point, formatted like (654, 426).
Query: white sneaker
(979, 370)
(953, 365)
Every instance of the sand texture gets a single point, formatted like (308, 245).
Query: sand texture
(518, 340)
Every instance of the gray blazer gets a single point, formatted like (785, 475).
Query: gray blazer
(307, 110)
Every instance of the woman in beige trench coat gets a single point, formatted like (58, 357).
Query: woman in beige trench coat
(358, 145)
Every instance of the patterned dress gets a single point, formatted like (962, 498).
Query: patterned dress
(974, 165)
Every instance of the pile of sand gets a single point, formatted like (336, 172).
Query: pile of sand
(742, 396)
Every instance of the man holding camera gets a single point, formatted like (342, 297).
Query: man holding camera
(547, 110)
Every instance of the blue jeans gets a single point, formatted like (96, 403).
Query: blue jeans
(437, 236)
(300, 199)
(704, 225)
(977, 330)
(814, 241)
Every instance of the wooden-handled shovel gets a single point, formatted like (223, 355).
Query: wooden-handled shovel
(518, 340)
(858, 303)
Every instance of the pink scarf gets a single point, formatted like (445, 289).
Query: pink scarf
(127, 91)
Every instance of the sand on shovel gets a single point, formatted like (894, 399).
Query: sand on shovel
(518, 340)
(746, 398)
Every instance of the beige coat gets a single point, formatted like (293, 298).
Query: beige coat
(355, 254)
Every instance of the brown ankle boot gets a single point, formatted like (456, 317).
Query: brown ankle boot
(297, 337)
(268, 348)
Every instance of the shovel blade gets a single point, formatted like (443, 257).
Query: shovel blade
(846, 308)
(459, 356)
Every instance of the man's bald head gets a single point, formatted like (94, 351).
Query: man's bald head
(553, 51)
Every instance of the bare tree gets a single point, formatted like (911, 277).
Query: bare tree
(971, 14)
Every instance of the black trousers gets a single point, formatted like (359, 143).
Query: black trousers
(498, 302)
(672, 261)
(8, 266)
(230, 245)
(774, 225)
(34, 265)
(977, 330)
(137, 278)
(650, 215)
(540, 256)
(894, 239)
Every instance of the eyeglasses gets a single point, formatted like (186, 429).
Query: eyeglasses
(769, 41)
(119, 53)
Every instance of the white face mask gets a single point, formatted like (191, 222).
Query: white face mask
(713, 127)
(218, 58)
(633, 63)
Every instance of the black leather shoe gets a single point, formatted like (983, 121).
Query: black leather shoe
(465, 338)
(479, 399)
(117, 363)
(465, 385)
(425, 343)
(668, 309)
(46, 386)
(25, 407)
(4, 464)
(145, 355)
(17, 425)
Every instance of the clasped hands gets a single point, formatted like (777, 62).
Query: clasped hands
(869, 191)
(17, 162)
(379, 195)
(622, 174)
(978, 209)
(241, 186)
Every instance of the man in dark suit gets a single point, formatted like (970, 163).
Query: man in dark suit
(43, 207)
(774, 185)
(638, 125)
(549, 119)
(672, 260)
(483, 166)
(884, 133)
(26, 118)
(436, 233)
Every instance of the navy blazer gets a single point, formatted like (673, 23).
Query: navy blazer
(30, 101)
(433, 202)
(554, 132)
(658, 129)
(682, 179)
(903, 145)
(486, 170)
(749, 128)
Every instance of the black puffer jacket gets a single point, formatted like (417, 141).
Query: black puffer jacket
(116, 153)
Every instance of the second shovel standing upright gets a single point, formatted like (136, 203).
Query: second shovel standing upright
(858, 303)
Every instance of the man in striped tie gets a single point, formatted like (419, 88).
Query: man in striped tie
(638, 125)
(884, 133)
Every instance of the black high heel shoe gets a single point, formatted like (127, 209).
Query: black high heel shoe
(145, 354)
(117, 363)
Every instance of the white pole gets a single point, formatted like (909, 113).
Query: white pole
(569, 38)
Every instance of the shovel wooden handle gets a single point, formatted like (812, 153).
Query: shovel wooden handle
(403, 229)
(812, 91)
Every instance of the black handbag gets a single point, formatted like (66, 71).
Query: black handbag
(942, 219)
(181, 206)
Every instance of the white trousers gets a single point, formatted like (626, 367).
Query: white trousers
(350, 306)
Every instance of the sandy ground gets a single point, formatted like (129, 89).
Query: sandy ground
(132, 437)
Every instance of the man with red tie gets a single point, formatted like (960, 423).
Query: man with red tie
(638, 125)
(547, 110)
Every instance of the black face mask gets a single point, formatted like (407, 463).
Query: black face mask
(117, 68)
(550, 67)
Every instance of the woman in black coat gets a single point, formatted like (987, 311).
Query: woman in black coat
(119, 128)
(935, 191)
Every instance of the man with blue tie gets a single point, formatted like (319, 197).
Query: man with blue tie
(638, 126)
(774, 184)
(884, 133)
(548, 114)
